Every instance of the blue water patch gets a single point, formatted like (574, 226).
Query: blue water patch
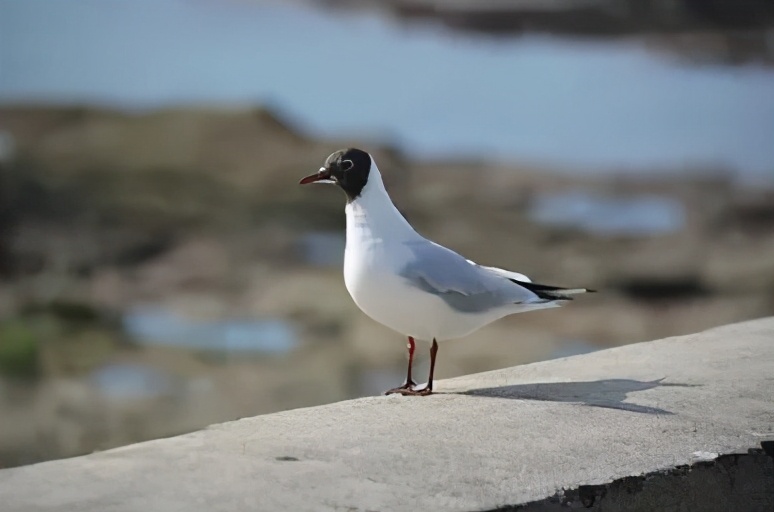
(131, 381)
(153, 325)
(584, 105)
(606, 215)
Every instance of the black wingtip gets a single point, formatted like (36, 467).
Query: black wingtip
(551, 292)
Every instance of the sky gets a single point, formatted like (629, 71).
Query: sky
(586, 106)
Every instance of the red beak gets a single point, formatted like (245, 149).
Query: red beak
(322, 174)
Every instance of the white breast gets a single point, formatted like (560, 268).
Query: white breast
(370, 275)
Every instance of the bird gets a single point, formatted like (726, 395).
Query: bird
(413, 285)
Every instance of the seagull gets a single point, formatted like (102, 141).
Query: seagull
(412, 285)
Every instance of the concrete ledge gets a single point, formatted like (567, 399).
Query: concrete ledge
(674, 424)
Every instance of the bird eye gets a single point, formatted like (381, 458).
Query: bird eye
(346, 165)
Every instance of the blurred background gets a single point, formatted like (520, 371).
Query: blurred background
(160, 269)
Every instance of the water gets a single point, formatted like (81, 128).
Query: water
(588, 106)
(605, 215)
(123, 381)
(155, 325)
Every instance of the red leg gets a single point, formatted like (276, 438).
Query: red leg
(433, 352)
(409, 384)
(411, 346)
(428, 390)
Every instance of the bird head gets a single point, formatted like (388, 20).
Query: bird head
(348, 168)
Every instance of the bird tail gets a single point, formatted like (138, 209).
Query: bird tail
(547, 292)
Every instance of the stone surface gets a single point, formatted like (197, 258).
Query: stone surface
(484, 442)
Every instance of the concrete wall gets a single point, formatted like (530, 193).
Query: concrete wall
(683, 423)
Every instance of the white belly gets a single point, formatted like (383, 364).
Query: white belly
(374, 284)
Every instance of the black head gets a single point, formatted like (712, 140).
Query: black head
(347, 168)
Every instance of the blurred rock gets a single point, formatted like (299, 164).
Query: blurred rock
(725, 31)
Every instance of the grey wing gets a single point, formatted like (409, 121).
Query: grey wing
(508, 274)
(462, 284)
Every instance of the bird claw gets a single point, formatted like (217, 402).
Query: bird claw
(407, 386)
(416, 392)
(408, 389)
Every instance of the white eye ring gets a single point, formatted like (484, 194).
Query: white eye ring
(347, 167)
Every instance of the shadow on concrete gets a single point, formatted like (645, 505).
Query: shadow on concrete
(608, 393)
